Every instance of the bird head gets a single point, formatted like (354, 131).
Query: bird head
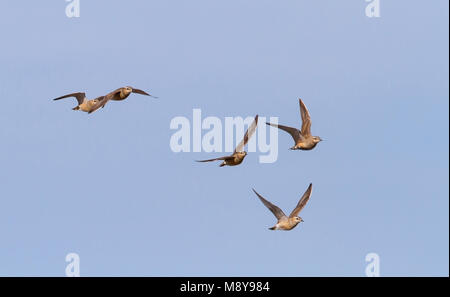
(127, 90)
(242, 154)
(317, 139)
(298, 219)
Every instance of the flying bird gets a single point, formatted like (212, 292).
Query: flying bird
(303, 138)
(92, 105)
(285, 222)
(239, 154)
(118, 95)
(84, 104)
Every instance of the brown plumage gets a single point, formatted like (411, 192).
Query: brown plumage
(83, 103)
(302, 138)
(118, 95)
(287, 222)
(239, 154)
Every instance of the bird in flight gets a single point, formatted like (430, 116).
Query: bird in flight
(92, 105)
(285, 222)
(239, 154)
(303, 138)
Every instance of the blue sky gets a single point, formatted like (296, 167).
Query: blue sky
(108, 187)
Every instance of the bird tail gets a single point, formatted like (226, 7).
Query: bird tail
(272, 228)
(76, 108)
(221, 165)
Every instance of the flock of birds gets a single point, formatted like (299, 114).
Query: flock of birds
(303, 141)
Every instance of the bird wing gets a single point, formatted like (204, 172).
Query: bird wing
(295, 133)
(247, 135)
(306, 119)
(137, 91)
(79, 96)
(103, 100)
(272, 207)
(302, 202)
(216, 159)
(100, 104)
(100, 98)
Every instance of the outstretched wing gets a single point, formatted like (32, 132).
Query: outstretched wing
(102, 102)
(301, 204)
(79, 96)
(247, 135)
(137, 91)
(216, 159)
(295, 133)
(272, 207)
(306, 119)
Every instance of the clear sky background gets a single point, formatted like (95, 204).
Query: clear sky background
(108, 187)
